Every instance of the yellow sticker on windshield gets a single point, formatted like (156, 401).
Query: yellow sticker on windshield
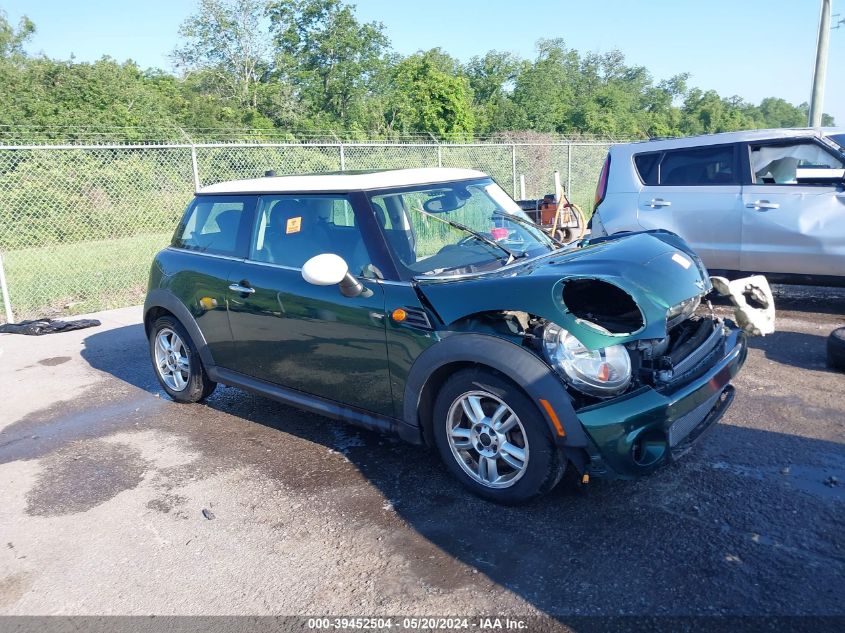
(294, 224)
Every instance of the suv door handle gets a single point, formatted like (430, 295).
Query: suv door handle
(763, 205)
(244, 290)
(655, 203)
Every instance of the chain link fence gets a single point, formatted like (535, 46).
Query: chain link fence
(79, 225)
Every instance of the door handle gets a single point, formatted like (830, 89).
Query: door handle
(762, 205)
(244, 290)
(656, 203)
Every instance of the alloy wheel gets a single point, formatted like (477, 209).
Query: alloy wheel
(172, 363)
(487, 439)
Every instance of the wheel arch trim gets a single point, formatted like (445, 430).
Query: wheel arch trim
(159, 298)
(519, 365)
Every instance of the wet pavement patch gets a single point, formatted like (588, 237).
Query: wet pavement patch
(168, 503)
(82, 476)
(55, 360)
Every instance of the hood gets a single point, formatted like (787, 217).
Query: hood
(612, 290)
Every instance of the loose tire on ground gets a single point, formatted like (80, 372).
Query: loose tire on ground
(179, 370)
(836, 349)
(479, 412)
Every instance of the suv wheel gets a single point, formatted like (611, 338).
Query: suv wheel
(493, 439)
(176, 362)
(836, 349)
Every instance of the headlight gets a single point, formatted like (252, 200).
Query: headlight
(603, 372)
(682, 311)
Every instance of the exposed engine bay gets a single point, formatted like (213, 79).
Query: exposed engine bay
(694, 341)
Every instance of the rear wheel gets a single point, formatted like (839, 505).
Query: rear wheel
(493, 439)
(176, 362)
(836, 349)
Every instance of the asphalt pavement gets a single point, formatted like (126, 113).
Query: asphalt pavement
(115, 500)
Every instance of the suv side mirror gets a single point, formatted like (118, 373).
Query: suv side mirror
(328, 269)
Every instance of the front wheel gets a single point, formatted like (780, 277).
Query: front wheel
(176, 362)
(493, 439)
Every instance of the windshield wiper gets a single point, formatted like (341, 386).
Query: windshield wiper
(511, 216)
(463, 227)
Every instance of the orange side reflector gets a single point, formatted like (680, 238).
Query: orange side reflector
(399, 315)
(553, 417)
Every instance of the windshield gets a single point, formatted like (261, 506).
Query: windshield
(456, 227)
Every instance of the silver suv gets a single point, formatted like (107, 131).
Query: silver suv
(764, 201)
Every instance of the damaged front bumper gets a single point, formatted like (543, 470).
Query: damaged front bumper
(636, 433)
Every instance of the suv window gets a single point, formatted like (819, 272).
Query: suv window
(699, 166)
(647, 167)
(778, 164)
(291, 229)
(211, 225)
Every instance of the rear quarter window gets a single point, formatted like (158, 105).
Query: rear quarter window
(647, 167)
(215, 225)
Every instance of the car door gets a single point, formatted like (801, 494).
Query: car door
(790, 225)
(696, 193)
(302, 336)
(211, 238)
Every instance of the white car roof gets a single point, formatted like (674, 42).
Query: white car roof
(730, 137)
(344, 181)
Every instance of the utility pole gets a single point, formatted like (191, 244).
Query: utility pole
(817, 100)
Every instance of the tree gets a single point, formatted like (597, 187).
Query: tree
(426, 99)
(284, 66)
(330, 57)
(776, 112)
(491, 79)
(75, 100)
(12, 39)
(546, 89)
(707, 113)
(227, 43)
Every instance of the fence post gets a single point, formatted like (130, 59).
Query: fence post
(195, 168)
(5, 291)
(439, 149)
(513, 166)
(342, 157)
(569, 169)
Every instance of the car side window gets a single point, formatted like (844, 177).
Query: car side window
(212, 225)
(291, 229)
(699, 166)
(647, 167)
(778, 164)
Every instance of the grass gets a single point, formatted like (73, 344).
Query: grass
(66, 279)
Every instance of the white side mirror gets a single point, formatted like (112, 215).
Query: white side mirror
(326, 269)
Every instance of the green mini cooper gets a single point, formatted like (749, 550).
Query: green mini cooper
(424, 303)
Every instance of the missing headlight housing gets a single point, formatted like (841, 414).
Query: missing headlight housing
(680, 312)
(603, 372)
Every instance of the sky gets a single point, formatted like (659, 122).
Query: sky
(750, 48)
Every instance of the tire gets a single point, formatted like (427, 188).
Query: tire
(181, 372)
(527, 463)
(836, 349)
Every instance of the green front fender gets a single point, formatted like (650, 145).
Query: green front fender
(520, 365)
